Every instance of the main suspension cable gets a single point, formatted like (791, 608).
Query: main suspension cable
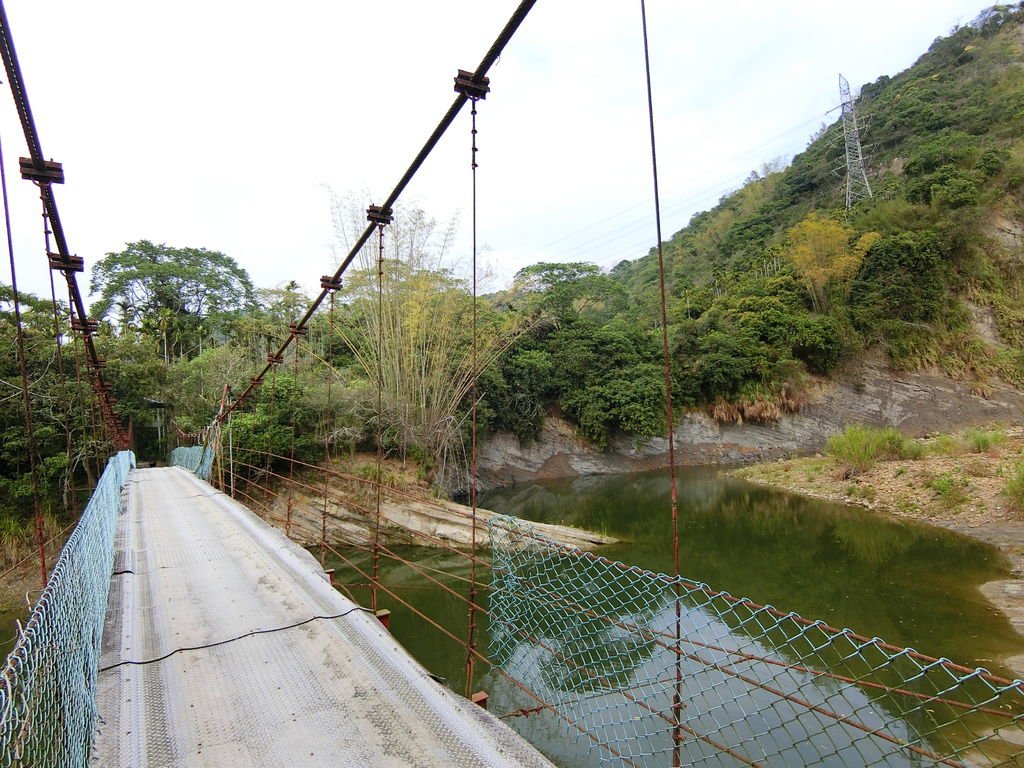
(46, 173)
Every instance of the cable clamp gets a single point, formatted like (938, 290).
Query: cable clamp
(45, 171)
(86, 326)
(470, 88)
(379, 215)
(69, 263)
(330, 283)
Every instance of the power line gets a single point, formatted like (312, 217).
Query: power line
(720, 186)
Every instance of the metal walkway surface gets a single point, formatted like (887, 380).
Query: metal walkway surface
(216, 653)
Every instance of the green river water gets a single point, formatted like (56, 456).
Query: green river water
(909, 584)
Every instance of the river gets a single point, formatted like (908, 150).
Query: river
(910, 584)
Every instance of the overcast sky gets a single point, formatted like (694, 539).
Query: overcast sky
(222, 124)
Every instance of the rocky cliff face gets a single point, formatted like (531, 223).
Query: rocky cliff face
(916, 403)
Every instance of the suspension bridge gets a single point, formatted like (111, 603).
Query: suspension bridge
(189, 621)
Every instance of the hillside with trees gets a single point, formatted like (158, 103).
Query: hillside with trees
(779, 282)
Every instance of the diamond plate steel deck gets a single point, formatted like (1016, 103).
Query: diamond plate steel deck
(196, 570)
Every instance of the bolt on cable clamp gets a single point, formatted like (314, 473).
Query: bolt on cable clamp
(470, 88)
(59, 262)
(378, 214)
(330, 283)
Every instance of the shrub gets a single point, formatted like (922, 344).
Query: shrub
(1014, 489)
(865, 492)
(977, 468)
(950, 489)
(15, 539)
(979, 440)
(386, 477)
(818, 343)
(902, 278)
(992, 161)
(955, 192)
(945, 445)
(859, 447)
(910, 449)
(948, 148)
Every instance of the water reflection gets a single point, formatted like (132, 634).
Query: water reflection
(754, 685)
(912, 584)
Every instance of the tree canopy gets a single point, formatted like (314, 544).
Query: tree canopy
(820, 249)
(566, 289)
(169, 292)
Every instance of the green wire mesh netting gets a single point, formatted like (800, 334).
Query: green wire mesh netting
(651, 670)
(197, 459)
(48, 683)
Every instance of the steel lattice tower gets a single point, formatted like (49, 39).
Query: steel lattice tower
(857, 186)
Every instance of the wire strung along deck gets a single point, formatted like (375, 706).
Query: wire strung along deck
(596, 639)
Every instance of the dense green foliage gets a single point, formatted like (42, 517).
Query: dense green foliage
(183, 296)
(779, 282)
(64, 441)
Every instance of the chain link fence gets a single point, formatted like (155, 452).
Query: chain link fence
(197, 459)
(48, 683)
(651, 670)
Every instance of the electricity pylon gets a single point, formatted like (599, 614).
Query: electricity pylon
(857, 186)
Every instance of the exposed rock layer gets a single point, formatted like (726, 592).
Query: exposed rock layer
(917, 403)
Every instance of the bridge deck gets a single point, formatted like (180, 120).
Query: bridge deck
(235, 669)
